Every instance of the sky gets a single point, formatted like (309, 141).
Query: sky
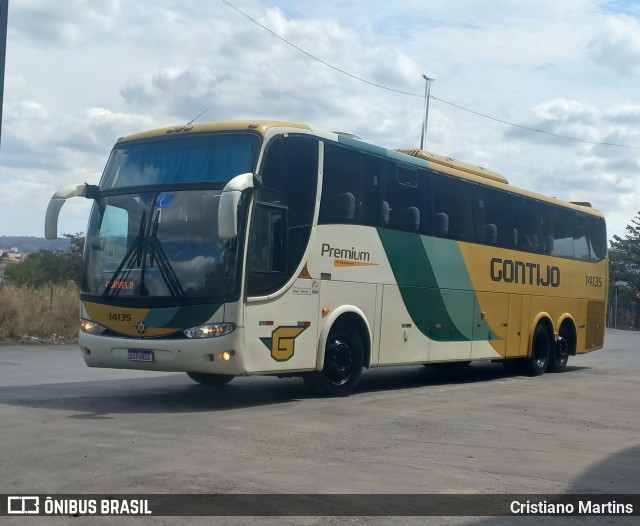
(81, 73)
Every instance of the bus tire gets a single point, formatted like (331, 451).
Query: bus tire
(343, 364)
(561, 350)
(538, 362)
(210, 379)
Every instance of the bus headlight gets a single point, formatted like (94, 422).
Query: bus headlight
(91, 327)
(210, 330)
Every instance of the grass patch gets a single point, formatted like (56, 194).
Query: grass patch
(48, 313)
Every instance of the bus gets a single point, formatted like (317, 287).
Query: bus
(273, 248)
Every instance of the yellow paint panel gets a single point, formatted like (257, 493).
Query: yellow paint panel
(124, 320)
(494, 309)
(512, 272)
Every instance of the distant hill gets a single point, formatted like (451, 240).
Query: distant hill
(30, 245)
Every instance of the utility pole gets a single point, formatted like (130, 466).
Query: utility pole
(4, 7)
(427, 96)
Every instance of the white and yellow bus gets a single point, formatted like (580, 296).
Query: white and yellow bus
(272, 248)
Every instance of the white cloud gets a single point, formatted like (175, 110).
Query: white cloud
(617, 45)
(82, 73)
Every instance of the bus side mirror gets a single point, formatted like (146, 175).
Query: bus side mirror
(228, 207)
(58, 199)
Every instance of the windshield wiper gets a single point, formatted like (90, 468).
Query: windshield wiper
(166, 270)
(135, 254)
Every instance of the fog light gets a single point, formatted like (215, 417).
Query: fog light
(210, 330)
(91, 327)
(225, 356)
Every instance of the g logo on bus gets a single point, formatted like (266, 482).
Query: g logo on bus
(282, 342)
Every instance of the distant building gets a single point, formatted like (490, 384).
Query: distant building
(10, 257)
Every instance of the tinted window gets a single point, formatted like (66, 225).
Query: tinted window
(580, 240)
(560, 231)
(405, 198)
(195, 158)
(493, 218)
(528, 225)
(283, 213)
(350, 187)
(597, 237)
(452, 208)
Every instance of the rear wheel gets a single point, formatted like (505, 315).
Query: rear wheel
(210, 379)
(343, 363)
(563, 347)
(538, 362)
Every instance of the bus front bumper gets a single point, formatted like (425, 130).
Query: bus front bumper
(207, 355)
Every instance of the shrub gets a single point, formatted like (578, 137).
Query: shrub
(46, 313)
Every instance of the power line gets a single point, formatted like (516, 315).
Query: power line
(407, 93)
(557, 135)
(319, 59)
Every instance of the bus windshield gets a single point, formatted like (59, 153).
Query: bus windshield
(153, 233)
(159, 244)
(214, 157)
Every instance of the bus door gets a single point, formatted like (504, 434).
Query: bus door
(282, 334)
(281, 330)
(281, 309)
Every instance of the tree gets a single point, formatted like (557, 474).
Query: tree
(46, 266)
(624, 258)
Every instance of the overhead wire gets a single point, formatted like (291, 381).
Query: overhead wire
(418, 95)
(528, 128)
(317, 58)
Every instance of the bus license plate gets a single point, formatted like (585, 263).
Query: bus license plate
(140, 356)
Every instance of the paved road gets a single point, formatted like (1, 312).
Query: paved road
(65, 428)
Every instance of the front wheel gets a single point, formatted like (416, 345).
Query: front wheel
(210, 379)
(538, 362)
(343, 363)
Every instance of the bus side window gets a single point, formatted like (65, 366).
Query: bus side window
(493, 218)
(350, 190)
(453, 208)
(597, 238)
(528, 222)
(267, 246)
(283, 214)
(580, 241)
(558, 239)
(405, 198)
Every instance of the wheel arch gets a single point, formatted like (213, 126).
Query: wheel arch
(355, 319)
(566, 320)
(544, 318)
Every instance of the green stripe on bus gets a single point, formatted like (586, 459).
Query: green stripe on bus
(435, 286)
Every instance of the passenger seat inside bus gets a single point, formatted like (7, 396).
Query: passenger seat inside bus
(441, 224)
(487, 234)
(549, 244)
(385, 213)
(405, 218)
(530, 243)
(339, 207)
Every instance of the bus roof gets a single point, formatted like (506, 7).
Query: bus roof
(431, 160)
(260, 126)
